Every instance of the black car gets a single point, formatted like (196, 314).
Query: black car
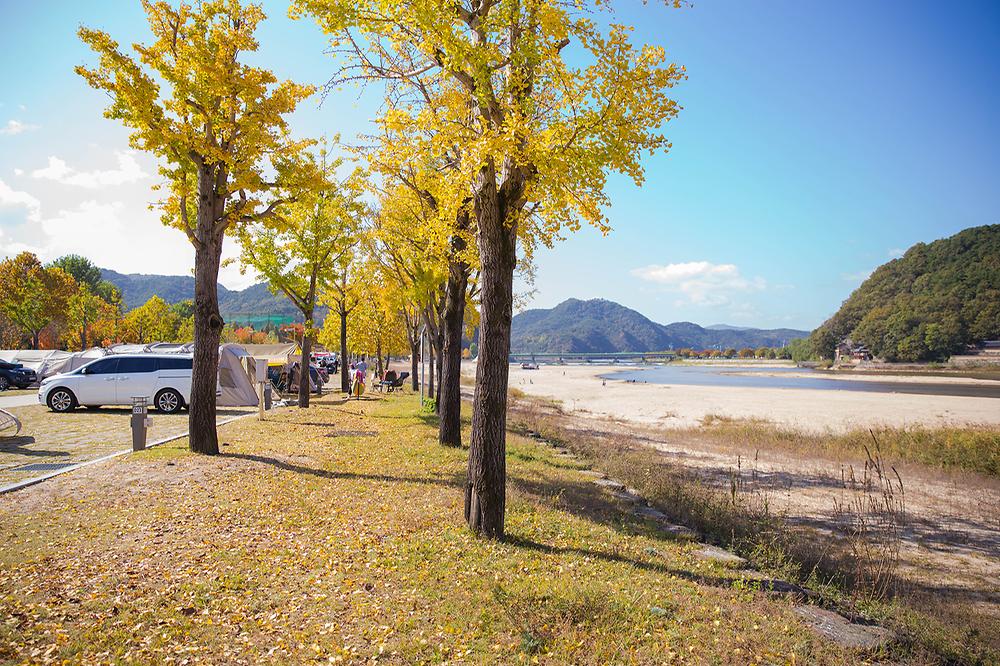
(14, 374)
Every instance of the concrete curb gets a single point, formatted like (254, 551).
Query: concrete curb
(45, 477)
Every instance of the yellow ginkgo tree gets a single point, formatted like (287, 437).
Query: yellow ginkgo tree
(376, 327)
(298, 250)
(218, 127)
(342, 294)
(421, 165)
(552, 101)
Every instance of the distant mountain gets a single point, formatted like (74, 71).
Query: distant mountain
(138, 288)
(927, 304)
(256, 300)
(727, 327)
(597, 326)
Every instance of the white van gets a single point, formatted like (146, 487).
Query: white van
(163, 379)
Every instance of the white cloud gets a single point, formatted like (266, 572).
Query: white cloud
(115, 235)
(11, 198)
(16, 127)
(18, 172)
(701, 282)
(128, 171)
(896, 253)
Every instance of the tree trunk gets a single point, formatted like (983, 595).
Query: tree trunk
(304, 372)
(34, 338)
(308, 312)
(378, 361)
(485, 491)
(450, 383)
(208, 324)
(415, 365)
(345, 380)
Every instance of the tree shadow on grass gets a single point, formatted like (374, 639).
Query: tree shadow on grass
(456, 481)
(579, 498)
(18, 446)
(426, 419)
(616, 558)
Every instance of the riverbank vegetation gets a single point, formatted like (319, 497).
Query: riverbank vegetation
(969, 448)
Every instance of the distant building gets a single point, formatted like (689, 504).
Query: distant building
(848, 352)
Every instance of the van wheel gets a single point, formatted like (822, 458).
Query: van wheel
(168, 401)
(61, 400)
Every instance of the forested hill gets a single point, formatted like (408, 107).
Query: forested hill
(256, 300)
(927, 304)
(602, 326)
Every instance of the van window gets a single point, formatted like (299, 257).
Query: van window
(128, 366)
(179, 363)
(105, 366)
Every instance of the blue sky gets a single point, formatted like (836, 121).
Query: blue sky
(817, 140)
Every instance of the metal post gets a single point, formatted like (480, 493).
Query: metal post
(260, 374)
(422, 365)
(140, 422)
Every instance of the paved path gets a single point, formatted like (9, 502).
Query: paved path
(18, 400)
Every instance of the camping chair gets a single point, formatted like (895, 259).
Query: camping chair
(7, 421)
(396, 382)
(387, 379)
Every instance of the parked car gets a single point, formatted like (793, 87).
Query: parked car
(163, 379)
(16, 375)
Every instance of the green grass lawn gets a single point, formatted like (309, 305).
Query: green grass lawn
(335, 534)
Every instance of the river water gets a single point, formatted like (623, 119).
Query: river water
(785, 378)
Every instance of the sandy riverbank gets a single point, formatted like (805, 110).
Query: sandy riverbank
(580, 389)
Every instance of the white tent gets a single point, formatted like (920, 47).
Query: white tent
(171, 347)
(277, 354)
(45, 362)
(236, 377)
(128, 348)
(84, 357)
